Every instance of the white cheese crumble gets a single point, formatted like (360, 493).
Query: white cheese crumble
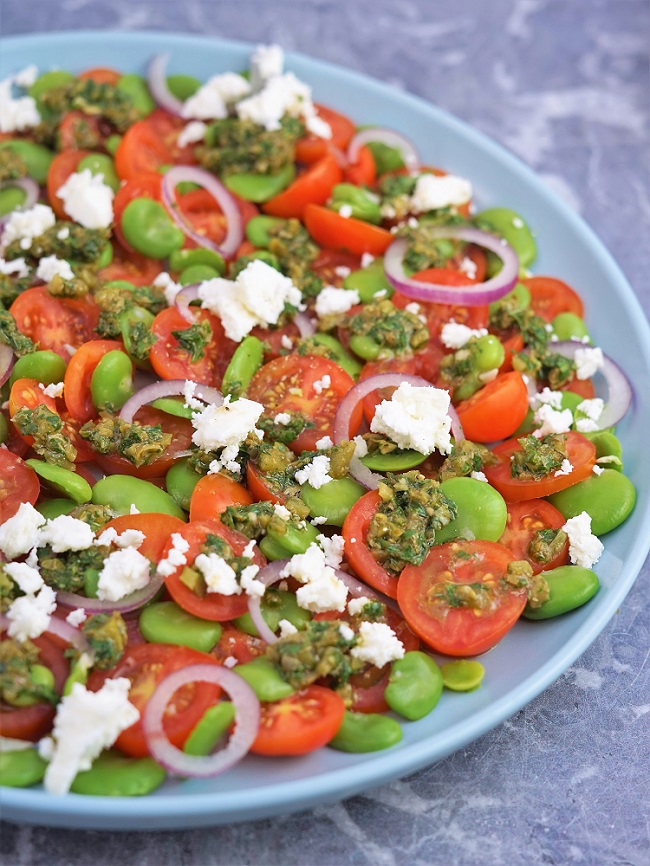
(324, 443)
(191, 133)
(478, 475)
(76, 617)
(287, 628)
(87, 199)
(585, 548)
(170, 288)
(592, 409)
(128, 538)
(454, 335)
(588, 361)
(356, 605)
(219, 576)
(16, 268)
(333, 547)
(226, 426)
(597, 470)
(85, 724)
(50, 267)
(213, 99)
(54, 389)
(19, 534)
(322, 590)
(25, 225)
(367, 259)
(26, 576)
(266, 62)
(175, 556)
(124, 572)
(548, 397)
(282, 418)
(322, 384)
(345, 211)
(415, 417)
(316, 473)
(29, 615)
(565, 469)
(360, 447)
(286, 342)
(432, 192)
(65, 533)
(551, 420)
(248, 582)
(335, 302)
(346, 632)
(17, 113)
(378, 644)
(280, 95)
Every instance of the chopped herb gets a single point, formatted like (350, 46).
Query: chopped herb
(140, 444)
(46, 427)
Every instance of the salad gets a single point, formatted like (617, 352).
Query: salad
(291, 432)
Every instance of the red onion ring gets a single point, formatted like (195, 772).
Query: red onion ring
(619, 390)
(133, 601)
(183, 300)
(306, 325)
(223, 197)
(60, 628)
(167, 388)
(247, 720)
(31, 190)
(470, 295)
(7, 359)
(157, 81)
(388, 137)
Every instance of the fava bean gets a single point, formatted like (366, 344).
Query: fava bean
(568, 326)
(183, 86)
(366, 732)
(36, 157)
(43, 365)
(462, 675)
(365, 347)
(265, 679)
(105, 257)
(40, 676)
(111, 383)
(20, 768)
(509, 225)
(395, 461)
(11, 198)
(52, 508)
(247, 359)
(48, 81)
(277, 545)
(116, 775)
(166, 622)
(386, 158)
(333, 500)
(370, 282)
(257, 229)
(112, 143)
(607, 446)
(489, 353)
(149, 229)
(607, 498)
(173, 406)
(570, 586)
(363, 207)
(180, 482)
(339, 353)
(78, 673)
(132, 321)
(64, 481)
(197, 274)
(414, 685)
(260, 187)
(214, 723)
(482, 511)
(179, 260)
(136, 87)
(101, 163)
(276, 605)
(120, 492)
(4, 429)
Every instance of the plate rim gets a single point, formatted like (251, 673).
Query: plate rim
(197, 809)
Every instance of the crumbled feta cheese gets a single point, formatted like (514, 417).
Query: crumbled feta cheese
(55, 389)
(15, 268)
(548, 397)
(335, 302)
(367, 259)
(565, 469)
(551, 421)
(345, 211)
(333, 548)
(218, 575)
(415, 417)
(360, 447)
(251, 586)
(87, 199)
(26, 576)
(20, 113)
(356, 605)
(124, 572)
(342, 271)
(133, 509)
(188, 395)
(346, 632)
(226, 425)
(454, 335)
(29, 615)
(212, 100)
(230, 662)
(588, 361)
(170, 288)
(27, 76)
(27, 224)
(478, 476)
(281, 511)
(286, 628)
(286, 342)
(324, 442)
(85, 724)
(66, 533)
(378, 644)
(468, 266)
(282, 418)
(597, 470)
(280, 95)
(76, 617)
(322, 589)
(191, 133)
(432, 192)
(315, 473)
(584, 547)
(318, 521)
(321, 385)
(50, 267)
(593, 409)
(267, 61)
(19, 534)
(175, 556)
(63, 234)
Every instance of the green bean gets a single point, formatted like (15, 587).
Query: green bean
(333, 500)
(342, 357)
(362, 205)
(136, 87)
(282, 545)
(366, 732)
(11, 198)
(482, 511)
(43, 365)
(36, 157)
(257, 229)
(509, 225)
(101, 163)
(183, 86)
(179, 260)
(51, 508)
(462, 675)
(149, 229)
(180, 482)
(111, 383)
(276, 605)
(197, 274)
(247, 359)
(370, 282)
(48, 81)
(568, 326)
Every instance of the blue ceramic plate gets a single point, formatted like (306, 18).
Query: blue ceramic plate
(532, 655)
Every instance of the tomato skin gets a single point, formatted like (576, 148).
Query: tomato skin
(212, 605)
(581, 454)
(312, 187)
(460, 631)
(141, 150)
(258, 486)
(100, 75)
(363, 172)
(78, 374)
(495, 410)
(146, 665)
(550, 296)
(300, 723)
(236, 644)
(157, 529)
(273, 383)
(213, 494)
(525, 518)
(329, 229)
(358, 554)
(55, 323)
(18, 483)
(311, 148)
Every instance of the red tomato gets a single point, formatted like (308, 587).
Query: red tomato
(273, 339)
(236, 644)
(425, 596)
(312, 148)
(363, 171)
(141, 149)
(582, 387)
(81, 366)
(329, 229)
(213, 605)
(274, 383)
(213, 494)
(34, 721)
(100, 75)
(157, 529)
(311, 187)
(171, 361)
(76, 126)
(18, 483)
(496, 410)
(259, 486)
(146, 665)
(329, 261)
(550, 296)
(525, 520)
(581, 454)
(206, 217)
(59, 324)
(133, 267)
(300, 723)
(357, 552)
(60, 169)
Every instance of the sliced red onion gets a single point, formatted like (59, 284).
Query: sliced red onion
(306, 325)
(133, 601)
(31, 190)
(157, 81)
(470, 295)
(183, 300)
(6, 362)
(339, 156)
(58, 627)
(247, 720)
(360, 472)
(268, 575)
(388, 137)
(356, 588)
(223, 197)
(167, 388)
(619, 389)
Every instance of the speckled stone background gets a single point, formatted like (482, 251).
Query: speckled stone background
(563, 84)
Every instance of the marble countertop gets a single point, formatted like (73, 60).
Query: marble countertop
(564, 85)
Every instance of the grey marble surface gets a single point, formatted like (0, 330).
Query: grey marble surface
(563, 84)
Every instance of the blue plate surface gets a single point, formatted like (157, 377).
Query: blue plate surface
(532, 655)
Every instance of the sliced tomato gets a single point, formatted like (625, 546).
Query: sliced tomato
(132, 267)
(581, 454)
(78, 374)
(18, 483)
(329, 229)
(311, 148)
(525, 520)
(329, 262)
(274, 339)
(236, 644)
(100, 75)
(287, 385)
(213, 494)
(27, 394)
(550, 296)
(313, 186)
(157, 529)
(496, 410)
(168, 128)
(146, 665)
(300, 723)
(59, 324)
(34, 721)
(171, 361)
(358, 554)
(60, 169)
(582, 387)
(441, 619)
(363, 171)
(76, 127)
(141, 150)
(213, 605)
(259, 485)
(206, 217)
